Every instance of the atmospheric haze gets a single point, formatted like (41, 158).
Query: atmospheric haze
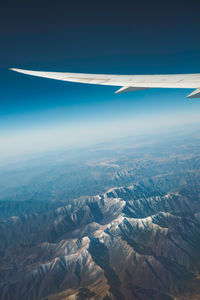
(49, 137)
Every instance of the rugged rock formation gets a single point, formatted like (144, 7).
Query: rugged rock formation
(129, 243)
(139, 240)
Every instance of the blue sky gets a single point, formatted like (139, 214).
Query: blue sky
(114, 37)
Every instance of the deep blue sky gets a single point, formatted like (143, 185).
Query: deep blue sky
(116, 37)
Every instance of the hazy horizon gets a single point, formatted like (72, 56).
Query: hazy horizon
(46, 138)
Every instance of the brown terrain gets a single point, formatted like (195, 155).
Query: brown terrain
(138, 239)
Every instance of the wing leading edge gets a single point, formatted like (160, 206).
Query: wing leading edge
(126, 82)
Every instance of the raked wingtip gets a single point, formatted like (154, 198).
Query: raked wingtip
(15, 69)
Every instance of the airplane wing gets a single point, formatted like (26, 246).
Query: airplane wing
(126, 82)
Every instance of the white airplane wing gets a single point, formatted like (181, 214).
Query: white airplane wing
(126, 82)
